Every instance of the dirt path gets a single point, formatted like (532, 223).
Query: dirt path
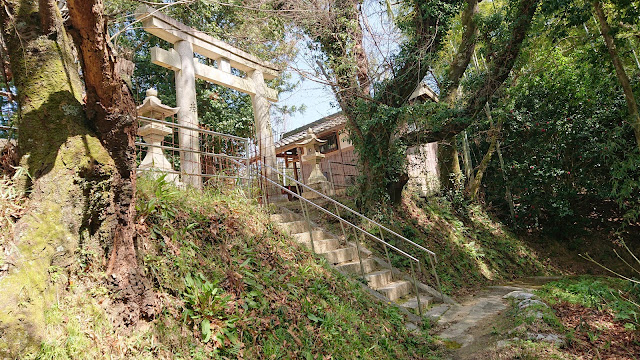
(469, 327)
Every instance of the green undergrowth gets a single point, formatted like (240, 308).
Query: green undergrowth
(231, 286)
(619, 296)
(586, 314)
(472, 249)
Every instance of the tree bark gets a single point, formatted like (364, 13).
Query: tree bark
(466, 158)
(69, 203)
(80, 189)
(474, 186)
(623, 78)
(450, 172)
(110, 107)
(111, 110)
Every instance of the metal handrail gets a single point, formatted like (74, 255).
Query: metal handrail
(337, 204)
(343, 220)
(353, 226)
(193, 174)
(332, 214)
(353, 211)
(164, 147)
(205, 131)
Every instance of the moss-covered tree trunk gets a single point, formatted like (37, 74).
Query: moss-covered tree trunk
(449, 171)
(76, 191)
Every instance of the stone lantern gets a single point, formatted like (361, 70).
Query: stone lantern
(312, 154)
(154, 133)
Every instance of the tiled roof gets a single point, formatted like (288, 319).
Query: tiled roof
(318, 127)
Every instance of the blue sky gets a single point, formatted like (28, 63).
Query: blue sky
(317, 97)
(381, 39)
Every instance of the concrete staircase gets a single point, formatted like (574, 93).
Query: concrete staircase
(387, 284)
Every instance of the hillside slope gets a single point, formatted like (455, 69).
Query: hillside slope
(229, 286)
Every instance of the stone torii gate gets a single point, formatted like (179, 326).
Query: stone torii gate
(180, 59)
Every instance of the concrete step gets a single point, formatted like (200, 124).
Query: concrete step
(343, 255)
(322, 246)
(378, 279)
(353, 267)
(412, 302)
(395, 290)
(295, 227)
(317, 235)
(285, 217)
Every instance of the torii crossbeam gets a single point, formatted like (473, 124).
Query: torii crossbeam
(187, 68)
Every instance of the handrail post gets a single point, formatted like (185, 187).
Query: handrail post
(266, 174)
(305, 213)
(355, 238)
(333, 187)
(360, 259)
(344, 233)
(263, 188)
(435, 273)
(415, 284)
(248, 156)
(386, 251)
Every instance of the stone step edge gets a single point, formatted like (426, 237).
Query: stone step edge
(397, 274)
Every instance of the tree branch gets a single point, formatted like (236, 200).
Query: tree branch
(623, 78)
(499, 70)
(503, 62)
(397, 91)
(463, 56)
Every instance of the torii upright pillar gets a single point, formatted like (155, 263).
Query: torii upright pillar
(188, 115)
(264, 135)
(181, 59)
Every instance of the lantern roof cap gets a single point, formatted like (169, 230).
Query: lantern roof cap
(311, 139)
(153, 107)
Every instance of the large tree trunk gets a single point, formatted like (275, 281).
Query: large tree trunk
(75, 175)
(112, 112)
(463, 55)
(110, 107)
(623, 78)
